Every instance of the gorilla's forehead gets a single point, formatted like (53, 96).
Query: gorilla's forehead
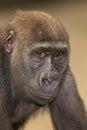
(38, 26)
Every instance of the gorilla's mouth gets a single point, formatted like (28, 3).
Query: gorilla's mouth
(41, 95)
(42, 98)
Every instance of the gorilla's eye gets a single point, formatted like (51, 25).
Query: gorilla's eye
(59, 56)
(41, 54)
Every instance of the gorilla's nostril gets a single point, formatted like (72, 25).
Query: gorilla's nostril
(47, 81)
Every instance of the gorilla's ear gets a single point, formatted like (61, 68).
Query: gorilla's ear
(9, 41)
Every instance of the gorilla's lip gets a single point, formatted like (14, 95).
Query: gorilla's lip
(41, 98)
(36, 94)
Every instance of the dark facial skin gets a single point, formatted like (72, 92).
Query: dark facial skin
(47, 62)
(34, 71)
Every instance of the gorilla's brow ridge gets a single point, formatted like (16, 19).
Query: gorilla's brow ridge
(53, 45)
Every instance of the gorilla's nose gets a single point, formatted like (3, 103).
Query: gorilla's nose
(49, 79)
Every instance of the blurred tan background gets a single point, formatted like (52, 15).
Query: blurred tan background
(73, 14)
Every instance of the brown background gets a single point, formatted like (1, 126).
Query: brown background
(73, 14)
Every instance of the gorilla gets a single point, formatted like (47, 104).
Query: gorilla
(35, 71)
